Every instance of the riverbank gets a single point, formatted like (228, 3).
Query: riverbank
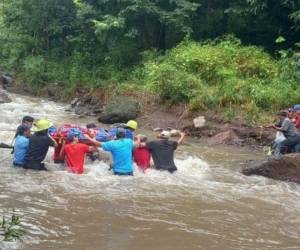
(152, 114)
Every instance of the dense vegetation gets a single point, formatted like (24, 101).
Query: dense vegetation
(175, 48)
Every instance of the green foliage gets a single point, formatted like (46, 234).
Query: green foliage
(35, 70)
(223, 75)
(109, 44)
(10, 229)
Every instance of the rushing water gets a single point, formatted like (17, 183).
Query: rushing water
(206, 205)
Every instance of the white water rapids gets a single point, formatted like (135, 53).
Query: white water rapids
(207, 204)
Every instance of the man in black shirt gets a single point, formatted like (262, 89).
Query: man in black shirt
(39, 144)
(162, 151)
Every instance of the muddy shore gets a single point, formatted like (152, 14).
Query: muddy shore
(153, 114)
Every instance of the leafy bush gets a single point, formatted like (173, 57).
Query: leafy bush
(34, 70)
(223, 74)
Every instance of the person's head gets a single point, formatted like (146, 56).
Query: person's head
(165, 135)
(24, 130)
(121, 133)
(41, 126)
(73, 137)
(296, 109)
(282, 115)
(142, 138)
(27, 120)
(291, 113)
(91, 125)
(132, 125)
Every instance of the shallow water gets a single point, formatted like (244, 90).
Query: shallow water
(206, 205)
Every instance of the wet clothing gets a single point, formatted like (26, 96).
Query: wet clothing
(37, 151)
(57, 155)
(121, 150)
(124, 174)
(74, 156)
(288, 128)
(142, 158)
(297, 122)
(289, 145)
(162, 152)
(20, 150)
(292, 136)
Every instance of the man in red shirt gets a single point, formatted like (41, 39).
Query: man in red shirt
(74, 153)
(142, 155)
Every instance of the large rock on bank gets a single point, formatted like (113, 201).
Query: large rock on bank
(4, 98)
(227, 137)
(120, 109)
(6, 80)
(285, 168)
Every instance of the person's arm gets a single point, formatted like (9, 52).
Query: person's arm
(182, 136)
(95, 142)
(53, 141)
(92, 149)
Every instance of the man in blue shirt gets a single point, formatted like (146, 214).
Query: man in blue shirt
(121, 150)
(21, 145)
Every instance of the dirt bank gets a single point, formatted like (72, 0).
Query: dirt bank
(153, 114)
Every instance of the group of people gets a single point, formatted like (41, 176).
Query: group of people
(33, 139)
(288, 132)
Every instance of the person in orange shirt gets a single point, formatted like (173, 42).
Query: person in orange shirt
(74, 153)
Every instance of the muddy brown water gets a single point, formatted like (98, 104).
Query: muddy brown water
(206, 205)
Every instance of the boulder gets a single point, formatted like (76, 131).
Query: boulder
(199, 122)
(285, 168)
(6, 80)
(227, 137)
(119, 109)
(4, 98)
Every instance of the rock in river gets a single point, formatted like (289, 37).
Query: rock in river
(285, 168)
(4, 98)
(120, 109)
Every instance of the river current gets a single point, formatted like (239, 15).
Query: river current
(207, 204)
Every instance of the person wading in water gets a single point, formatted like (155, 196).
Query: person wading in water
(39, 144)
(162, 150)
(121, 150)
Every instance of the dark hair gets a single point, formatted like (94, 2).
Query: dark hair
(22, 129)
(27, 119)
(91, 125)
(120, 133)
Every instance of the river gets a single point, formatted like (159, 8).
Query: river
(206, 205)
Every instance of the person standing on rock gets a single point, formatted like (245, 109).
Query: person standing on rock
(121, 150)
(162, 150)
(287, 127)
(39, 144)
